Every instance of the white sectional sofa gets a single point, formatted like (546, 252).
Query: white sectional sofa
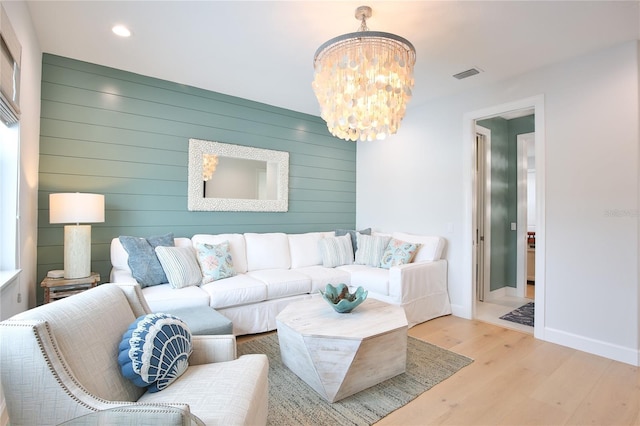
(274, 269)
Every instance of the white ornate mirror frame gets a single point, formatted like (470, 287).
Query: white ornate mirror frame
(196, 186)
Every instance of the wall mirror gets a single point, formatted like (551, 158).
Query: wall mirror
(227, 177)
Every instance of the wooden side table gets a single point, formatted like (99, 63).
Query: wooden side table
(57, 288)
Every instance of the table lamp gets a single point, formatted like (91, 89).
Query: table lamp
(76, 208)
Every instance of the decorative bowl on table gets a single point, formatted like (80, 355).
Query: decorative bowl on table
(341, 299)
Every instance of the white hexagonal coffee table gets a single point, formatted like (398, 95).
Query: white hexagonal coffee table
(341, 354)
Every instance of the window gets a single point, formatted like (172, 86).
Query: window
(9, 164)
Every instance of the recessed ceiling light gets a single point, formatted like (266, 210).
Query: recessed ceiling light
(121, 30)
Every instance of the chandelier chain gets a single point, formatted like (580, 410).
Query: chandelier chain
(363, 24)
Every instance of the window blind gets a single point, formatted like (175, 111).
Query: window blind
(10, 53)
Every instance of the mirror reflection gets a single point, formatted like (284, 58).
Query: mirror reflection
(227, 177)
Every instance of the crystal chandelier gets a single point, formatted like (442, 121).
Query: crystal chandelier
(363, 82)
(209, 164)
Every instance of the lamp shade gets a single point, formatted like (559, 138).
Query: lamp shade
(76, 207)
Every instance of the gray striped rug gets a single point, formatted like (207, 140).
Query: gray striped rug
(293, 402)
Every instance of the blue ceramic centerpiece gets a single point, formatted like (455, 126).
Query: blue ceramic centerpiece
(341, 300)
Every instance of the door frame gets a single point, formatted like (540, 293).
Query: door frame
(486, 182)
(468, 308)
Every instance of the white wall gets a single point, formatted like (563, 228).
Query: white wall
(31, 72)
(413, 182)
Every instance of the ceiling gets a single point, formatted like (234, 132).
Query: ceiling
(263, 50)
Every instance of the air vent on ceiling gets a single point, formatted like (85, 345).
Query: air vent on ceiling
(467, 73)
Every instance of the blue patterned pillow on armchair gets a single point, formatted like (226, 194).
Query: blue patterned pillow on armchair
(154, 351)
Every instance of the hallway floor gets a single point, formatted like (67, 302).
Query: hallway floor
(491, 312)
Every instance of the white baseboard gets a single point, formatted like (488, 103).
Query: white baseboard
(593, 346)
(461, 311)
(501, 292)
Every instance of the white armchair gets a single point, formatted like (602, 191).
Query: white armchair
(59, 362)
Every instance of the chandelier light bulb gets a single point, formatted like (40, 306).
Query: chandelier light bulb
(363, 82)
(209, 164)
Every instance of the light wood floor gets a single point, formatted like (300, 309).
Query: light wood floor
(518, 380)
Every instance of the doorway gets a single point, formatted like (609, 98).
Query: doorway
(498, 234)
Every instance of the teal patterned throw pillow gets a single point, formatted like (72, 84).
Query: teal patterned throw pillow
(398, 253)
(215, 261)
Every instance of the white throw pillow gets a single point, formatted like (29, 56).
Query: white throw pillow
(370, 249)
(305, 250)
(267, 251)
(180, 266)
(336, 251)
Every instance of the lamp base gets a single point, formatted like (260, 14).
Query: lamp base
(77, 251)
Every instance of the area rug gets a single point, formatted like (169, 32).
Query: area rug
(523, 315)
(293, 402)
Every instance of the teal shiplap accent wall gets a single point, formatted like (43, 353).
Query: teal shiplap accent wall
(504, 196)
(126, 136)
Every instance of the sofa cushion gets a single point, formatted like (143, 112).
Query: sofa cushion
(267, 251)
(336, 251)
(398, 252)
(143, 262)
(305, 250)
(237, 247)
(282, 282)
(431, 247)
(353, 234)
(163, 297)
(203, 320)
(238, 290)
(370, 249)
(215, 261)
(321, 276)
(180, 266)
(155, 350)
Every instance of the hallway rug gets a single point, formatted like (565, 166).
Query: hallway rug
(293, 402)
(523, 315)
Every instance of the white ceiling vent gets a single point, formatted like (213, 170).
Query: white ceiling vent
(467, 73)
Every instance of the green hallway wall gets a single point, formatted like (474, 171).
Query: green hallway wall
(504, 196)
(126, 136)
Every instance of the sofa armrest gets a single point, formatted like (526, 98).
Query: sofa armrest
(417, 280)
(213, 348)
(121, 276)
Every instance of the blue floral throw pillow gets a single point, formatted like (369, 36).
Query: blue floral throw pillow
(215, 261)
(398, 253)
(154, 351)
